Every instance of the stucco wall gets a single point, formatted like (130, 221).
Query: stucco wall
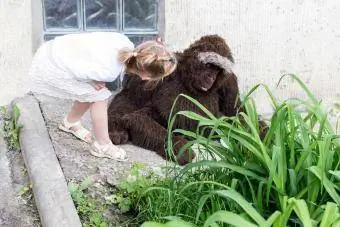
(267, 38)
(15, 48)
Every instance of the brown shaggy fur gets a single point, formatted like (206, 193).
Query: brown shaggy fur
(141, 115)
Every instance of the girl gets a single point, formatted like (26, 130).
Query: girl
(76, 67)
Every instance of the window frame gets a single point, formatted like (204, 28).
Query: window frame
(81, 16)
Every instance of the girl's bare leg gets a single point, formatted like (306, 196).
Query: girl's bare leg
(78, 109)
(99, 121)
(102, 146)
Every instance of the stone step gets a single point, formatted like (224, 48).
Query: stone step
(50, 190)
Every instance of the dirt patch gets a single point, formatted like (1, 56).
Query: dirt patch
(23, 189)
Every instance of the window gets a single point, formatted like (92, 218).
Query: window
(138, 19)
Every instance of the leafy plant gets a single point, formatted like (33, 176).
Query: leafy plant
(88, 209)
(290, 178)
(26, 189)
(131, 188)
(11, 126)
(26, 193)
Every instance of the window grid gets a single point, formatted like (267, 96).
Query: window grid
(137, 34)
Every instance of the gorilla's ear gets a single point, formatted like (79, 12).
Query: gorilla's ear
(216, 59)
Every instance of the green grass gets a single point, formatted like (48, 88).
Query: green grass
(290, 178)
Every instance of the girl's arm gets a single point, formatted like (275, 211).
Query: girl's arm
(98, 85)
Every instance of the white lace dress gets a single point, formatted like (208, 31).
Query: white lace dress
(64, 67)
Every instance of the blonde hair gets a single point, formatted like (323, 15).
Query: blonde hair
(151, 57)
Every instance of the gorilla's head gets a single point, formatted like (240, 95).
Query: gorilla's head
(202, 74)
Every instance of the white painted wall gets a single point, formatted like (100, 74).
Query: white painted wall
(267, 38)
(15, 48)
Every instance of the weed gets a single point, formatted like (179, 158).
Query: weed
(89, 210)
(11, 126)
(25, 190)
(131, 188)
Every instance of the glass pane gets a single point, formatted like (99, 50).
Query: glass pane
(61, 14)
(140, 14)
(101, 14)
(49, 37)
(139, 39)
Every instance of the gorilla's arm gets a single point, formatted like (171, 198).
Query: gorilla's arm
(120, 106)
(146, 132)
(132, 97)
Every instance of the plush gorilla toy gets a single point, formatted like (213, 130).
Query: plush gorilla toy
(140, 113)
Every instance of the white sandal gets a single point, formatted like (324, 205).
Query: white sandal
(81, 133)
(108, 151)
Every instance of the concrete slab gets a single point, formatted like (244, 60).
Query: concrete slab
(49, 186)
(74, 156)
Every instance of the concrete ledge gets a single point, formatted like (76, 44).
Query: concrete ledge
(50, 190)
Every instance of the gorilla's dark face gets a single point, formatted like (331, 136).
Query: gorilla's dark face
(200, 77)
(207, 77)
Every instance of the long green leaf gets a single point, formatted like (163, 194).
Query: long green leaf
(272, 219)
(246, 206)
(214, 164)
(329, 186)
(320, 113)
(228, 218)
(301, 210)
(330, 215)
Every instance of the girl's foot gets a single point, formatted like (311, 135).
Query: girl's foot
(108, 151)
(76, 129)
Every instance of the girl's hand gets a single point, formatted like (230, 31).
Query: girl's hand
(98, 85)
